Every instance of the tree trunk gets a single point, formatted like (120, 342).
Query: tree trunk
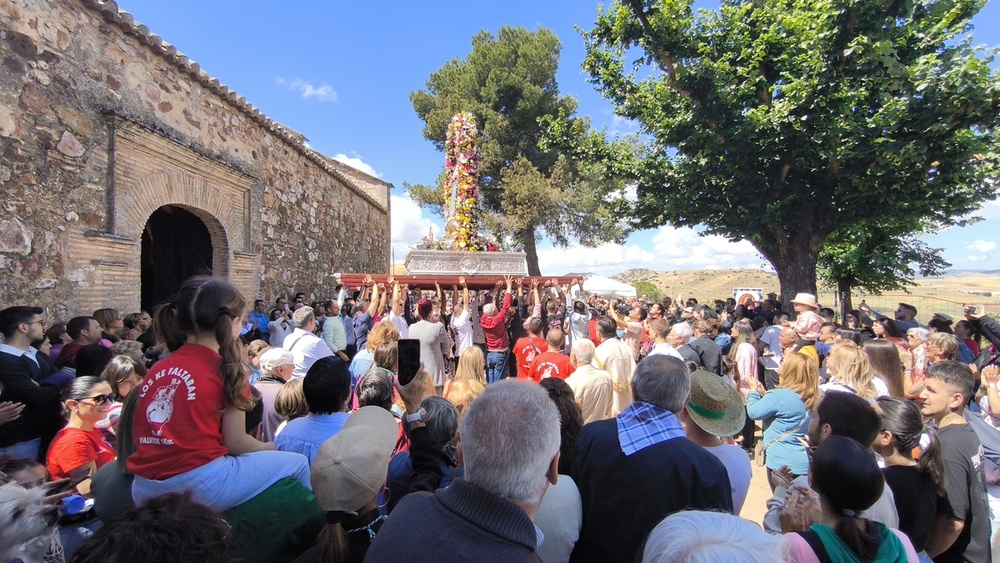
(530, 251)
(796, 266)
(844, 294)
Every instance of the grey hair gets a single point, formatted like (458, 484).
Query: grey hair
(583, 349)
(489, 309)
(375, 388)
(919, 332)
(510, 435)
(694, 536)
(442, 420)
(302, 316)
(683, 330)
(663, 381)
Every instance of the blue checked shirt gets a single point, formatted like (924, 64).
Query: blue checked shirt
(642, 425)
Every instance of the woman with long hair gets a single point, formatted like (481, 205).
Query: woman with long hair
(850, 371)
(190, 430)
(743, 356)
(80, 448)
(786, 408)
(112, 324)
(123, 374)
(469, 380)
(847, 481)
(886, 329)
(560, 515)
(886, 365)
(917, 486)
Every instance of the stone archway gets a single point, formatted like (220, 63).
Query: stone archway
(176, 244)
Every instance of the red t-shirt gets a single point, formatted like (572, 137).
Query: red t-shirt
(592, 329)
(550, 364)
(525, 350)
(178, 417)
(72, 448)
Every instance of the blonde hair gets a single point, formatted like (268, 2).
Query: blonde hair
(948, 343)
(381, 332)
(850, 366)
(130, 348)
(800, 374)
(290, 402)
(471, 366)
(463, 393)
(256, 348)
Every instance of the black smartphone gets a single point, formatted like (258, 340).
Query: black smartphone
(409, 359)
(64, 485)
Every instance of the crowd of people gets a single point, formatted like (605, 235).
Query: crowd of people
(544, 424)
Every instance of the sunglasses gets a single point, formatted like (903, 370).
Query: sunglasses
(100, 399)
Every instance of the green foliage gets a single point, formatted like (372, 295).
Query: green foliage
(508, 83)
(789, 123)
(646, 287)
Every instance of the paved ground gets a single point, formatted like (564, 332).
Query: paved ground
(754, 507)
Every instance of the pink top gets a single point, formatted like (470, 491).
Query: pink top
(807, 325)
(800, 552)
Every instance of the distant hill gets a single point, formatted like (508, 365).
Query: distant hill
(702, 284)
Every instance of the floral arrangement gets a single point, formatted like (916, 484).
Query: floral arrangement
(462, 184)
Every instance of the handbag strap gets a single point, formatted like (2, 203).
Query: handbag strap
(814, 541)
(787, 433)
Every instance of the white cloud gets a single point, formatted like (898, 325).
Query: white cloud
(972, 258)
(672, 249)
(408, 225)
(981, 246)
(322, 93)
(354, 161)
(623, 125)
(990, 210)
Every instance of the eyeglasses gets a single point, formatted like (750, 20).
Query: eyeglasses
(38, 322)
(100, 399)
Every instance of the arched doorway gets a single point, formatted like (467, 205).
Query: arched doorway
(176, 245)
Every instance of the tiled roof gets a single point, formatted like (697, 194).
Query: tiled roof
(111, 13)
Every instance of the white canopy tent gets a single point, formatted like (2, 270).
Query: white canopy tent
(600, 285)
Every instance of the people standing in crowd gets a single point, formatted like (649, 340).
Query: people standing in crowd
(849, 371)
(918, 487)
(83, 331)
(259, 320)
(276, 369)
(615, 357)
(962, 532)
(770, 347)
(709, 353)
(79, 449)
(592, 387)
(364, 312)
(552, 362)
(305, 346)
(435, 344)
(383, 331)
(441, 421)
(461, 318)
(642, 460)
(785, 412)
(916, 338)
(279, 327)
(659, 330)
(488, 515)
(705, 537)
(836, 414)
(190, 430)
(561, 512)
(33, 407)
(847, 481)
(123, 374)
(333, 329)
(631, 326)
(528, 347)
(327, 391)
(469, 381)
(495, 332)
(903, 319)
(887, 367)
(112, 323)
(715, 410)
(347, 475)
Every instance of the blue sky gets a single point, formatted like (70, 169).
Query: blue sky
(340, 73)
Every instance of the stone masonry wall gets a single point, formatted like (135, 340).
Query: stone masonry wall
(100, 122)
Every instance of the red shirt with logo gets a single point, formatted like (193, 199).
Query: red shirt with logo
(178, 418)
(72, 448)
(550, 364)
(525, 350)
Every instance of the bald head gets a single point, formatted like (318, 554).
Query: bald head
(556, 339)
(787, 337)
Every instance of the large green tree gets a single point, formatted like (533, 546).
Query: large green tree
(508, 82)
(785, 122)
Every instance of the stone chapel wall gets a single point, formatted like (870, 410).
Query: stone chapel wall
(102, 122)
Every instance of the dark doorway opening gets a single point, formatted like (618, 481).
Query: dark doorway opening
(176, 245)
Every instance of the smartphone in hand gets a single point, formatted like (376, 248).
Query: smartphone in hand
(409, 360)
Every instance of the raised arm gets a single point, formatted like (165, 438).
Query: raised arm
(373, 302)
(620, 320)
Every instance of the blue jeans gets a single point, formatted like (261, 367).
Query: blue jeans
(496, 366)
(228, 481)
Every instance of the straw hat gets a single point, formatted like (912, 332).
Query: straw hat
(351, 467)
(715, 406)
(807, 299)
